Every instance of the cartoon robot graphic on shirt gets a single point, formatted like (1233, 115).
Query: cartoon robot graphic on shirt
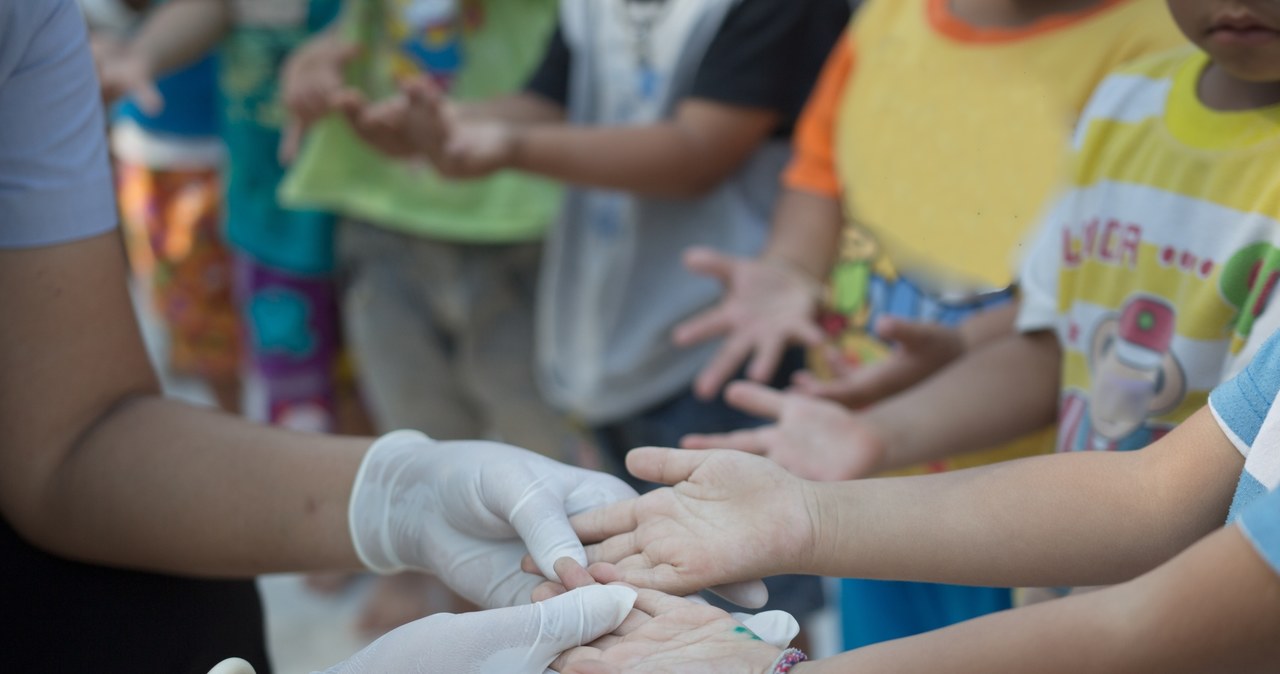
(1135, 378)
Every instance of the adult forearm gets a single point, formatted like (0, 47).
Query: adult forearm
(136, 492)
(180, 32)
(994, 394)
(806, 232)
(1069, 519)
(1213, 608)
(94, 465)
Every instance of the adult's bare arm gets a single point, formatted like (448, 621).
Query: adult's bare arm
(96, 466)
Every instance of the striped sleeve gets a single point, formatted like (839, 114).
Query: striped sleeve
(1240, 405)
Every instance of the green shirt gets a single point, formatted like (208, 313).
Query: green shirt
(501, 43)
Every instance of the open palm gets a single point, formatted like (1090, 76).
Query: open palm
(812, 438)
(731, 517)
(673, 635)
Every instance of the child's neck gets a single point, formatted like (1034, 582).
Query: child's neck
(1219, 90)
(1014, 13)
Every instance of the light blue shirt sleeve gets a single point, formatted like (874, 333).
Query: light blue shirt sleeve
(1241, 404)
(1260, 523)
(55, 179)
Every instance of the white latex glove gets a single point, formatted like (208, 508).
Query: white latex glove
(461, 509)
(517, 640)
(232, 666)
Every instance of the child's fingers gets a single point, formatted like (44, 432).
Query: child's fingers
(750, 441)
(723, 366)
(756, 399)
(291, 141)
(765, 361)
(572, 575)
(665, 466)
(702, 327)
(147, 96)
(610, 520)
(709, 262)
(614, 549)
(547, 590)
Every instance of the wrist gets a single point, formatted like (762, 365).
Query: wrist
(823, 522)
(787, 661)
(389, 483)
(812, 283)
(793, 265)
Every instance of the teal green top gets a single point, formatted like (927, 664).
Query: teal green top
(477, 50)
(257, 226)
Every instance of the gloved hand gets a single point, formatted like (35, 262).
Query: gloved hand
(468, 511)
(516, 640)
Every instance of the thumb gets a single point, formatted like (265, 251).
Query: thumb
(576, 618)
(665, 466)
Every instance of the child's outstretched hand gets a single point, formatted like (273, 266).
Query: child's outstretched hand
(731, 517)
(920, 350)
(813, 438)
(767, 305)
(670, 634)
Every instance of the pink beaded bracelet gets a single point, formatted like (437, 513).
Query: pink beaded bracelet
(789, 658)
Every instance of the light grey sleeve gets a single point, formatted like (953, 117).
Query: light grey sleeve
(1038, 279)
(55, 179)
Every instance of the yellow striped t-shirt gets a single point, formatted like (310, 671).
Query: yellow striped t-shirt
(1157, 265)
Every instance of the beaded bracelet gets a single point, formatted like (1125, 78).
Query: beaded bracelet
(789, 658)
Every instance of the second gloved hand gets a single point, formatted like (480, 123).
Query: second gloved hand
(516, 640)
(468, 511)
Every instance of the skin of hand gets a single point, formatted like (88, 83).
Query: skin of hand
(664, 634)
(767, 306)
(919, 350)
(777, 628)
(173, 35)
(421, 122)
(731, 517)
(309, 81)
(812, 438)
(124, 72)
